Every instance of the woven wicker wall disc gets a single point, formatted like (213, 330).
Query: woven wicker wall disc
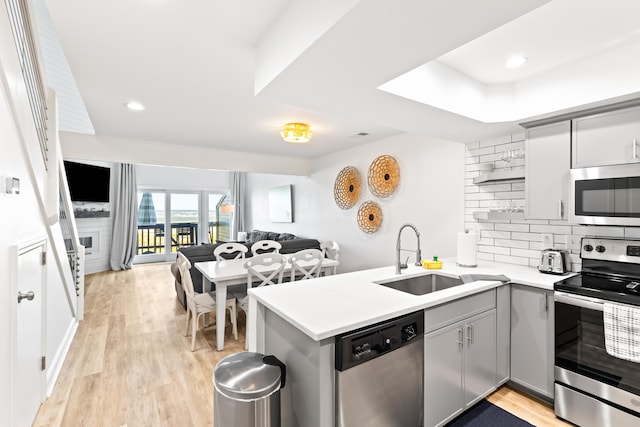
(346, 190)
(369, 217)
(384, 176)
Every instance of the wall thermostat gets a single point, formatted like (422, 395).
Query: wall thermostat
(12, 185)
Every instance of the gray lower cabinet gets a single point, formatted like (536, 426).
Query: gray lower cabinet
(460, 366)
(532, 352)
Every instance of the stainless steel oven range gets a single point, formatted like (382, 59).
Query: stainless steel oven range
(596, 383)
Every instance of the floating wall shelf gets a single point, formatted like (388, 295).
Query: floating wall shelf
(499, 176)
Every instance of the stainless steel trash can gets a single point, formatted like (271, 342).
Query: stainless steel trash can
(247, 390)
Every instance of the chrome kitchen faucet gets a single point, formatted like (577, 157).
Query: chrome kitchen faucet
(399, 265)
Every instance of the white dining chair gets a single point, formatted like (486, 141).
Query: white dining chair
(262, 270)
(264, 246)
(230, 249)
(331, 250)
(201, 303)
(305, 264)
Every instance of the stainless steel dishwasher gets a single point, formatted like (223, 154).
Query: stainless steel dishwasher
(379, 374)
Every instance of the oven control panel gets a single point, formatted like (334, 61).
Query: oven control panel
(608, 249)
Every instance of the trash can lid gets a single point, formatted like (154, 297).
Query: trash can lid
(244, 376)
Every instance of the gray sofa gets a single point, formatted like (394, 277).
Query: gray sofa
(204, 252)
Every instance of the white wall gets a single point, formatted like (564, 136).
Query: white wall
(430, 195)
(163, 177)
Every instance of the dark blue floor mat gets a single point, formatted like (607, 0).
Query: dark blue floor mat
(486, 414)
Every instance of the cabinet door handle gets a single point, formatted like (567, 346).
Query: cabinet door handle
(635, 148)
(546, 302)
(460, 337)
(470, 333)
(560, 209)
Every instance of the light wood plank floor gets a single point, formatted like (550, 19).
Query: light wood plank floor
(131, 365)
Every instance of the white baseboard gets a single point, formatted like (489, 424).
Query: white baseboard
(54, 366)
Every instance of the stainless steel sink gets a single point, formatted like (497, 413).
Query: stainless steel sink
(420, 285)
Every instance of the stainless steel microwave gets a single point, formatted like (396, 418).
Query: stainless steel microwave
(606, 195)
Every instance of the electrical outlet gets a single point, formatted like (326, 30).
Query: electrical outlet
(547, 240)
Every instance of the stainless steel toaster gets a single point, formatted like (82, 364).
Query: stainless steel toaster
(554, 261)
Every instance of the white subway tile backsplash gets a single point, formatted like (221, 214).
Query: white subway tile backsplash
(525, 236)
(481, 151)
(509, 195)
(485, 256)
(513, 227)
(558, 222)
(479, 196)
(596, 230)
(557, 229)
(632, 232)
(515, 241)
(471, 189)
(472, 160)
(511, 259)
(494, 249)
(495, 234)
(517, 244)
(534, 244)
(526, 253)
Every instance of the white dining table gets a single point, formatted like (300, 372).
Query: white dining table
(232, 272)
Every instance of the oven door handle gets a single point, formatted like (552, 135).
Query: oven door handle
(579, 301)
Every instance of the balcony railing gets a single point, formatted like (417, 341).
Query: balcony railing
(151, 238)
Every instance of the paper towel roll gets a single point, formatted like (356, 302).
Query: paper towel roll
(467, 249)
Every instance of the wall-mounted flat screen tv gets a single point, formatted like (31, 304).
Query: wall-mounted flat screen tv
(87, 183)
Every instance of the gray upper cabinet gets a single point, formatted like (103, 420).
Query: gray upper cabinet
(609, 138)
(532, 352)
(547, 154)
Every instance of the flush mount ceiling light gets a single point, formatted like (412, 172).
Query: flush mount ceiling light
(296, 132)
(515, 61)
(134, 105)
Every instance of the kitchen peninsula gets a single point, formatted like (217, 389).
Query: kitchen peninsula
(298, 322)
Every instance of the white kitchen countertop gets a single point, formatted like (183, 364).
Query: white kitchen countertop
(331, 305)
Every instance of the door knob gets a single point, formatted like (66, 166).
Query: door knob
(28, 296)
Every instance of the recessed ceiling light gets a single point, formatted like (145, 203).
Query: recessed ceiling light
(134, 105)
(515, 61)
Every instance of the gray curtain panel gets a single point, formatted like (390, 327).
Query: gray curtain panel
(237, 195)
(125, 218)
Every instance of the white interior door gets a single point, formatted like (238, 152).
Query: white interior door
(28, 378)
